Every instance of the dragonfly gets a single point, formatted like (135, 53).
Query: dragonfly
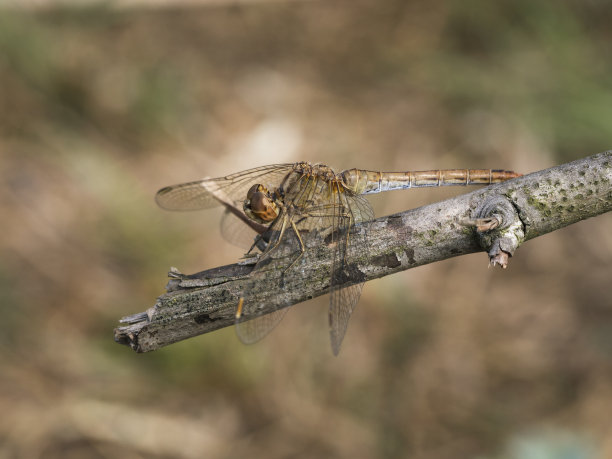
(300, 198)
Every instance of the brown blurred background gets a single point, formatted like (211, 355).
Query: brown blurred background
(103, 104)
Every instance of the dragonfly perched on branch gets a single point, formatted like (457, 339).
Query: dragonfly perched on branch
(299, 198)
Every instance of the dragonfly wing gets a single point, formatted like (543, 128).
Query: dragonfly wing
(211, 192)
(250, 331)
(236, 232)
(361, 209)
(343, 299)
(239, 229)
(342, 304)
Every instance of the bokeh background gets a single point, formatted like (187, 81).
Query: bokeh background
(103, 104)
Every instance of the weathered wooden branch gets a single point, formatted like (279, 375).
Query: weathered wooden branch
(497, 219)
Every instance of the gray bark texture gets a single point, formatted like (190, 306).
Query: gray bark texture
(496, 219)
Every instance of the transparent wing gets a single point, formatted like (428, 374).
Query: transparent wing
(360, 208)
(250, 331)
(342, 304)
(236, 232)
(206, 193)
(343, 299)
(237, 228)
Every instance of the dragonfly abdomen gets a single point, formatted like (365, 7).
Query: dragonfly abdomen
(368, 182)
(450, 177)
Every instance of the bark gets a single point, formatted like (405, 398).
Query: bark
(498, 219)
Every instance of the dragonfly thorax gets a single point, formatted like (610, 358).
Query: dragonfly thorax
(259, 204)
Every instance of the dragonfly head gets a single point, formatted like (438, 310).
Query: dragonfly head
(259, 204)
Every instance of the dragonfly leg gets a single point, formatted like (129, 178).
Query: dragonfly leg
(251, 249)
(302, 246)
(281, 234)
(277, 242)
(259, 243)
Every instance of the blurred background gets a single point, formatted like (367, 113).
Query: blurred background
(102, 104)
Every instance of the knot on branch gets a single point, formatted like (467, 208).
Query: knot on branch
(499, 228)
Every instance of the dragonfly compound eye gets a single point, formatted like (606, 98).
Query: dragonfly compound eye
(257, 188)
(260, 207)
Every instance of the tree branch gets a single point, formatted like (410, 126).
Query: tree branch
(497, 218)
